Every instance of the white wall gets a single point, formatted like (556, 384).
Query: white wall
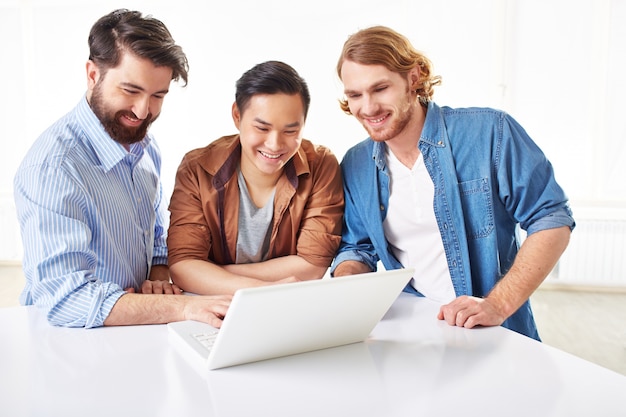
(556, 65)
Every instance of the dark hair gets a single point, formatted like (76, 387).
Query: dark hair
(271, 77)
(380, 45)
(146, 37)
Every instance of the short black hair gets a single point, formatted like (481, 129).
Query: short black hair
(271, 77)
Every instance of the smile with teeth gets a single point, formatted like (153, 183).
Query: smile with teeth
(377, 120)
(131, 120)
(270, 156)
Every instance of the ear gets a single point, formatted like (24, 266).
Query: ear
(413, 78)
(93, 74)
(236, 115)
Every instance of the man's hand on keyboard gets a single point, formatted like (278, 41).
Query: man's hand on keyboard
(209, 309)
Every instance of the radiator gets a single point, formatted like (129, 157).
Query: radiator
(596, 254)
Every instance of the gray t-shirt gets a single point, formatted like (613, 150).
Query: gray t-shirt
(255, 226)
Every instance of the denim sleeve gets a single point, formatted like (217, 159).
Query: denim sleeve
(526, 183)
(356, 244)
(559, 218)
(355, 255)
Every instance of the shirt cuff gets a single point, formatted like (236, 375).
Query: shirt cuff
(354, 255)
(561, 217)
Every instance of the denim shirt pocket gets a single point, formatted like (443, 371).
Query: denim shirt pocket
(477, 207)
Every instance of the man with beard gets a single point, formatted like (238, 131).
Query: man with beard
(88, 194)
(444, 190)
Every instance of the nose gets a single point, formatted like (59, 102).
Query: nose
(369, 107)
(272, 140)
(141, 107)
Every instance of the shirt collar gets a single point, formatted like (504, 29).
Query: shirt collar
(108, 151)
(434, 130)
(432, 134)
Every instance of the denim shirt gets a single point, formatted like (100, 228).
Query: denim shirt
(489, 178)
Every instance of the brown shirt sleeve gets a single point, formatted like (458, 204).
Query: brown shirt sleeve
(320, 229)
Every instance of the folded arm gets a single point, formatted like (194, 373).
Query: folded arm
(203, 277)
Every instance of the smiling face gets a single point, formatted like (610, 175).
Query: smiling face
(380, 99)
(128, 98)
(270, 130)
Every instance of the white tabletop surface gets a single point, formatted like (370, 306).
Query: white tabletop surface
(412, 365)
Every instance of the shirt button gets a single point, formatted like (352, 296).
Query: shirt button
(382, 208)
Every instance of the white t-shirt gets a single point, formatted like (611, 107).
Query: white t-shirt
(412, 231)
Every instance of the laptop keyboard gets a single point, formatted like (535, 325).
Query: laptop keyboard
(206, 339)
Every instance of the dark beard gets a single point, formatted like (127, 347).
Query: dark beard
(118, 132)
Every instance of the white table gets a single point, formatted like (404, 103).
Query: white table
(413, 365)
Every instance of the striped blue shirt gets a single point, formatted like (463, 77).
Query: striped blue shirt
(92, 216)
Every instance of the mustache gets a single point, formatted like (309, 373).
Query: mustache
(129, 114)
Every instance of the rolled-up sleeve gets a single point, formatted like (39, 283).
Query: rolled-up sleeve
(526, 182)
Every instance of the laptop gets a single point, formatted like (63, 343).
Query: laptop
(286, 319)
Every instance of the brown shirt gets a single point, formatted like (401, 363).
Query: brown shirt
(308, 205)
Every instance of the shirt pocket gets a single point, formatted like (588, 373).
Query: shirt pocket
(477, 207)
